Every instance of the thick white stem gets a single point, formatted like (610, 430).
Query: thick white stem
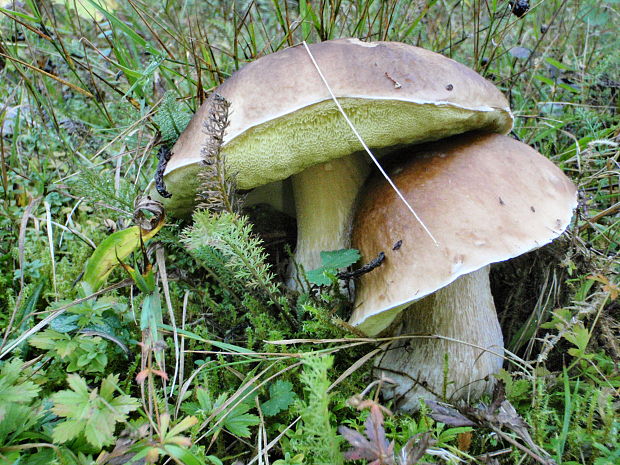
(441, 369)
(325, 197)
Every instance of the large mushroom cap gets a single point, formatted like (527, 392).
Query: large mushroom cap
(283, 120)
(485, 197)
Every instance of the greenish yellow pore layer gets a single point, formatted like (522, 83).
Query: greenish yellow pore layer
(279, 148)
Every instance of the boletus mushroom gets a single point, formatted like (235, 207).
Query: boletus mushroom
(284, 123)
(486, 198)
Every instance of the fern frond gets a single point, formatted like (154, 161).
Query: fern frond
(231, 236)
(317, 438)
(224, 243)
(170, 119)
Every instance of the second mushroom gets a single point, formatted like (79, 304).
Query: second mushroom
(486, 198)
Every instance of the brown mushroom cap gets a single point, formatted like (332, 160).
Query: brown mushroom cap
(283, 120)
(485, 197)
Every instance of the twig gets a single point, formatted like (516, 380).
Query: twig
(163, 157)
(367, 268)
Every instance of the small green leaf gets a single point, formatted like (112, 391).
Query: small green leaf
(569, 88)
(579, 336)
(238, 422)
(214, 460)
(544, 79)
(66, 431)
(281, 396)
(65, 323)
(332, 261)
(557, 64)
(93, 413)
(184, 424)
(183, 455)
(339, 258)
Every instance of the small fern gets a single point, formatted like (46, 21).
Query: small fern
(224, 242)
(170, 120)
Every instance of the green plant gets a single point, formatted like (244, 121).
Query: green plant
(316, 439)
(91, 413)
(85, 353)
(236, 420)
(87, 101)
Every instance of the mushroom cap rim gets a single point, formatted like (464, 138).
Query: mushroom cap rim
(466, 270)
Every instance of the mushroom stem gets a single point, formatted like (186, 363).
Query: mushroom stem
(455, 365)
(325, 197)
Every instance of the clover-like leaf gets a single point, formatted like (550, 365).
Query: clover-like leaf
(281, 396)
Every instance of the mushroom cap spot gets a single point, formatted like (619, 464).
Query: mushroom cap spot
(282, 118)
(454, 186)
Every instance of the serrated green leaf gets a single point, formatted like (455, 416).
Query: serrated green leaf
(99, 430)
(47, 339)
(65, 323)
(339, 258)
(579, 336)
(124, 404)
(238, 423)
(89, 413)
(78, 384)
(281, 396)
(204, 399)
(108, 386)
(10, 371)
(66, 431)
(64, 348)
(332, 261)
(318, 277)
(13, 391)
(68, 403)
